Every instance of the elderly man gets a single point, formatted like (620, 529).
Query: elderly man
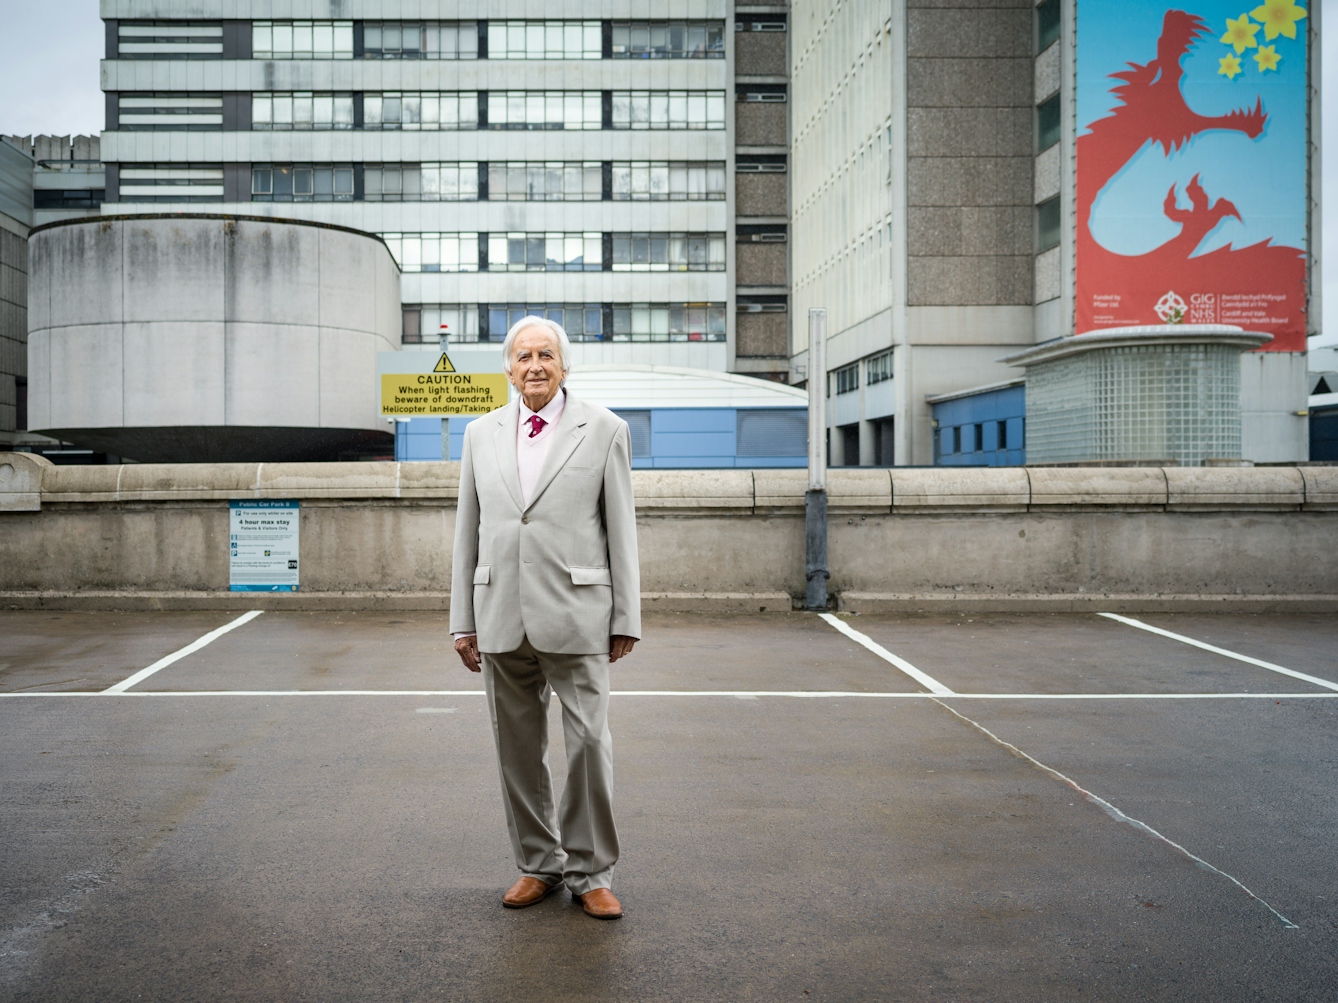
(545, 593)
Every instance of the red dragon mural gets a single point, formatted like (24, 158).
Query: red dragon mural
(1260, 287)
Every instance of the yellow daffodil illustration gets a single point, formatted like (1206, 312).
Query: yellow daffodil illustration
(1278, 17)
(1267, 58)
(1229, 66)
(1240, 33)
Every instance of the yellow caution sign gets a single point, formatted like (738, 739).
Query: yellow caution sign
(441, 393)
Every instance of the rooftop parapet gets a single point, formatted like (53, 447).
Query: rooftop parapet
(27, 482)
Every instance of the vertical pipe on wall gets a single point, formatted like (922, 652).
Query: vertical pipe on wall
(815, 499)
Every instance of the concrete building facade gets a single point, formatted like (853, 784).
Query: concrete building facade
(175, 338)
(574, 161)
(933, 155)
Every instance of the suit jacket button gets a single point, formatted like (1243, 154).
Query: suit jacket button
(525, 520)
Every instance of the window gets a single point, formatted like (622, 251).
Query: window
(759, 22)
(545, 110)
(545, 252)
(459, 322)
(771, 432)
(68, 198)
(554, 181)
(1047, 123)
(661, 180)
(301, 111)
(545, 40)
(434, 252)
(762, 304)
(192, 112)
(302, 40)
(446, 182)
(638, 426)
(1047, 24)
(668, 40)
(760, 163)
(668, 110)
(171, 183)
(978, 443)
(846, 379)
(302, 183)
(427, 111)
(420, 40)
(1047, 224)
(169, 40)
(1002, 434)
(760, 233)
(668, 252)
(955, 439)
(766, 93)
(668, 321)
(878, 368)
(581, 321)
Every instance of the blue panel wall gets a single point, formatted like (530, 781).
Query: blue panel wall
(418, 439)
(680, 438)
(984, 430)
(1324, 434)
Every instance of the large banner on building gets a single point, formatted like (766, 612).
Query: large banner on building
(1192, 165)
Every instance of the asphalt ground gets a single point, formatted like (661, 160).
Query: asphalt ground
(307, 808)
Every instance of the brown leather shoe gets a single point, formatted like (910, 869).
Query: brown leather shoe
(601, 904)
(528, 891)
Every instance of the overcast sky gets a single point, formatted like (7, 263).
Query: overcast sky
(49, 84)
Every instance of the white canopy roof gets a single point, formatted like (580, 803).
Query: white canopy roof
(629, 386)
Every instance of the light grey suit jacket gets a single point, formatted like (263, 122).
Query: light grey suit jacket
(563, 570)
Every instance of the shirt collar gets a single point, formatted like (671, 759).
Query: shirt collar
(550, 412)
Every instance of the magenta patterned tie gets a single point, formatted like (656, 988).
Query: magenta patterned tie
(536, 424)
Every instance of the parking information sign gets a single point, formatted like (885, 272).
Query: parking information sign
(262, 546)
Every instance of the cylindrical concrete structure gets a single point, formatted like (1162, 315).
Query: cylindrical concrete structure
(1167, 394)
(210, 338)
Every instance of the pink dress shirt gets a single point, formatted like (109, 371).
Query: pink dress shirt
(531, 452)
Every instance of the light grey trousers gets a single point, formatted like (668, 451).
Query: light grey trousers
(583, 850)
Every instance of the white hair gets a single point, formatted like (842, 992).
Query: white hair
(564, 343)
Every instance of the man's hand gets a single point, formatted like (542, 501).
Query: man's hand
(468, 650)
(619, 645)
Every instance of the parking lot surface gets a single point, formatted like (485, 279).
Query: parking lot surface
(937, 807)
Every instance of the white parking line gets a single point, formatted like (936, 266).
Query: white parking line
(179, 654)
(1114, 812)
(924, 679)
(737, 694)
(1221, 651)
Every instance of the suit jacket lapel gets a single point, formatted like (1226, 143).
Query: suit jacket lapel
(568, 435)
(504, 451)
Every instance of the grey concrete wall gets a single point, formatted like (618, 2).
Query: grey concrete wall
(759, 123)
(969, 79)
(13, 322)
(195, 322)
(760, 53)
(762, 334)
(761, 264)
(760, 194)
(1130, 535)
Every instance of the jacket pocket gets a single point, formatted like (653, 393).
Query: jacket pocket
(482, 574)
(591, 576)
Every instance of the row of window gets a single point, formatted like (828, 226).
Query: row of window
(467, 181)
(472, 322)
(431, 111)
(877, 368)
(433, 39)
(558, 252)
(980, 437)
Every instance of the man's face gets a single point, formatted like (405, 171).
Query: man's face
(536, 369)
